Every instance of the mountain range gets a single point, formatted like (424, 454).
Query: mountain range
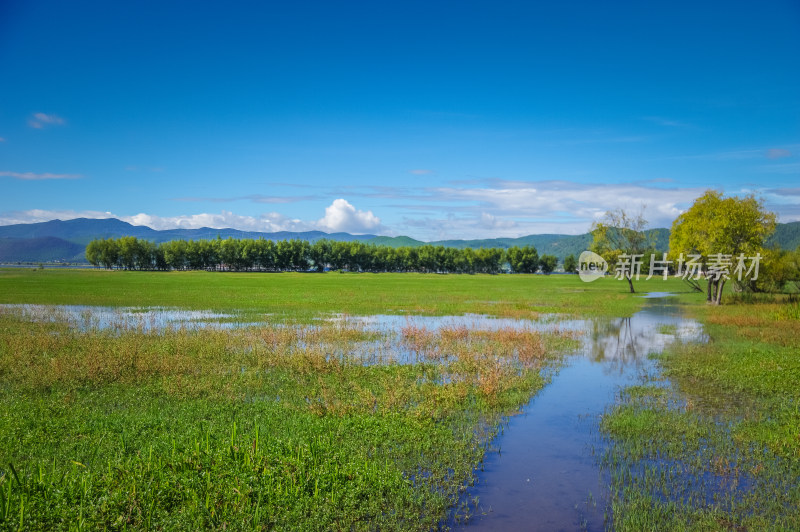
(65, 240)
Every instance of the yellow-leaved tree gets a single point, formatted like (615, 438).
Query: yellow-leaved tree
(719, 231)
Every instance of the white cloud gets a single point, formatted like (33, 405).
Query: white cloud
(41, 215)
(267, 222)
(31, 176)
(341, 216)
(40, 120)
(468, 227)
(2, 139)
(492, 208)
(568, 201)
(490, 221)
(421, 171)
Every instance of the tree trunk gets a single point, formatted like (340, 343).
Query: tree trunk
(630, 283)
(709, 291)
(721, 285)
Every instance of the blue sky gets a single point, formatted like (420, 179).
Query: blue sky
(428, 119)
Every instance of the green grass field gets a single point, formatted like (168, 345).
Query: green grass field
(285, 427)
(302, 295)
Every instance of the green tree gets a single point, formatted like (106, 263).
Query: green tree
(248, 254)
(620, 239)
(283, 255)
(570, 264)
(159, 259)
(523, 259)
(548, 263)
(426, 258)
(175, 254)
(320, 254)
(94, 251)
(716, 226)
(109, 254)
(299, 254)
(128, 252)
(209, 252)
(489, 260)
(779, 272)
(265, 254)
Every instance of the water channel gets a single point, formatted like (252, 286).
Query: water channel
(544, 473)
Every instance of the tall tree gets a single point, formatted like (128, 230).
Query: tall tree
(570, 264)
(94, 251)
(620, 239)
(522, 259)
(128, 252)
(548, 263)
(320, 254)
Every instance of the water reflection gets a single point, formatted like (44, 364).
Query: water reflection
(86, 317)
(545, 476)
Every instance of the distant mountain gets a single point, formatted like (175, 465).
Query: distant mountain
(786, 236)
(558, 245)
(552, 244)
(84, 230)
(79, 230)
(66, 240)
(396, 241)
(40, 249)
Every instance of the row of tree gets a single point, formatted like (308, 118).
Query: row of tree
(131, 253)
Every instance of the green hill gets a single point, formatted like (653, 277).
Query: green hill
(40, 249)
(395, 241)
(786, 236)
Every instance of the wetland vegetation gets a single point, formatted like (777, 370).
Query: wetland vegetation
(282, 423)
(300, 417)
(719, 448)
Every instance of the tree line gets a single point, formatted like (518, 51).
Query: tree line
(131, 253)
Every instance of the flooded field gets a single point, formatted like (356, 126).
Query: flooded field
(505, 403)
(544, 473)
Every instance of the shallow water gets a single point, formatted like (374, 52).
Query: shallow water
(478, 322)
(544, 475)
(391, 348)
(87, 317)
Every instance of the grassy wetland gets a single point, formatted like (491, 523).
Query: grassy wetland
(303, 416)
(713, 441)
(273, 424)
